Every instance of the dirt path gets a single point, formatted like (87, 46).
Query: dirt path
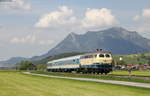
(144, 85)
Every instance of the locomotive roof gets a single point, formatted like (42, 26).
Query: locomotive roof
(77, 56)
(98, 52)
(67, 58)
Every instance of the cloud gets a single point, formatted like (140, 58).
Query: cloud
(144, 29)
(15, 4)
(144, 15)
(30, 39)
(27, 39)
(98, 18)
(64, 18)
(136, 18)
(143, 22)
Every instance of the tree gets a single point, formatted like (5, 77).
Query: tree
(41, 67)
(26, 65)
(122, 62)
(143, 56)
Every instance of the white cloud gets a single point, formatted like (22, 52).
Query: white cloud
(98, 18)
(144, 29)
(136, 18)
(27, 39)
(143, 22)
(62, 17)
(146, 13)
(16, 4)
(30, 39)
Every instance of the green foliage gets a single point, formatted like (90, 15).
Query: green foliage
(122, 62)
(143, 56)
(26, 65)
(134, 59)
(41, 67)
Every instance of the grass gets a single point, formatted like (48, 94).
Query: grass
(18, 84)
(95, 77)
(138, 73)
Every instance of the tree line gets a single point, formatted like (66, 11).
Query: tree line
(27, 65)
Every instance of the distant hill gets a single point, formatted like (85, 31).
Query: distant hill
(116, 40)
(12, 61)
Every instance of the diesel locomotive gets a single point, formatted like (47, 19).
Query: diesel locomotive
(94, 62)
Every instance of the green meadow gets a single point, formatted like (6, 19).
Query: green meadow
(18, 84)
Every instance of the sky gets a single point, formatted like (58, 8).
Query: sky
(32, 27)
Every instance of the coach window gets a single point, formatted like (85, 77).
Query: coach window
(90, 56)
(101, 55)
(86, 57)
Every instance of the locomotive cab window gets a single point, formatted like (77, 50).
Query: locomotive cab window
(107, 55)
(101, 55)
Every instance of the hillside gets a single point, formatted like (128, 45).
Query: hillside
(134, 58)
(12, 61)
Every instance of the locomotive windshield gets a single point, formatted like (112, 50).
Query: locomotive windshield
(101, 55)
(104, 55)
(107, 55)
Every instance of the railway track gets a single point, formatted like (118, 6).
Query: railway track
(113, 75)
(131, 76)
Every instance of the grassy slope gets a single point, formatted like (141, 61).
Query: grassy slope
(132, 59)
(17, 84)
(95, 76)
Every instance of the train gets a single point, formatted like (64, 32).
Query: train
(99, 62)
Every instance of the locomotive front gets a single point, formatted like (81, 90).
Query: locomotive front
(99, 62)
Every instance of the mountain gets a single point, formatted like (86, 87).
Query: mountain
(116, 40)
(12, 61)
